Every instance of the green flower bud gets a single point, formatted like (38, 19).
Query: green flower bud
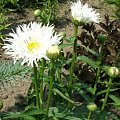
(102, 38)
(91, 106)
(37, 13)
(53, 52)
(1, 104)
(113, 72)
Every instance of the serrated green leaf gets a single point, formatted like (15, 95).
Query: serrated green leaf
(90, 90)
(88, 61)
(79, 86)
(34, 111)
(115, 99)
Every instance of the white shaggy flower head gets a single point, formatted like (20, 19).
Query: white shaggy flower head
(30, 42)
(83, 13)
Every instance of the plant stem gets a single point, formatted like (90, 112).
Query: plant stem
(36, 86)
(75, 35)
(89, 115)
(50, 87)
(107, 93)
(59, 75)
(74, 55)
(72, 69)
(41, 81)
(96, 82)
(98, 70)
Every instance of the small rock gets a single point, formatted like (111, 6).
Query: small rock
(4, 96)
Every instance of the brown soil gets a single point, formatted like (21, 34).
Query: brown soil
(18, 90)
(13, 95)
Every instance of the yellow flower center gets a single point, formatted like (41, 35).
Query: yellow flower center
(33, 46)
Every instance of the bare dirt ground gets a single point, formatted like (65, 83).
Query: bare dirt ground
(16, 93)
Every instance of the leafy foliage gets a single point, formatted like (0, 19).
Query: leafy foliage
(9, 71)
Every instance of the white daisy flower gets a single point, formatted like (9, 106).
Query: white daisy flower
(30, 42)
(83, 13)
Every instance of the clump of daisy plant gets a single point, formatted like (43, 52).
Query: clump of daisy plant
(30, 43)
(81, 14)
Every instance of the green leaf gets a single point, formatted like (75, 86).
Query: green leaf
(104, 91)
(88, 61)
(115, 99)
(89, 50)
(34, 111)
(79, 86)
(66, 98)
(90, 90)
(84, 95)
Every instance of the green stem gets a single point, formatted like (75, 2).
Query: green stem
(97, 80)
(36, 86)
(89, 115)
(74, 55)
(107, 93)
(41, 81)
(50, 87)
(59, 75)
(98, 71)
(71, 70)
(75, 35)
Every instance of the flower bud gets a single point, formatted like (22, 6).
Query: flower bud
(1, 104)
(113, 72)
(37, 13)
(53, 52)
(102, 38)
(92, 106)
